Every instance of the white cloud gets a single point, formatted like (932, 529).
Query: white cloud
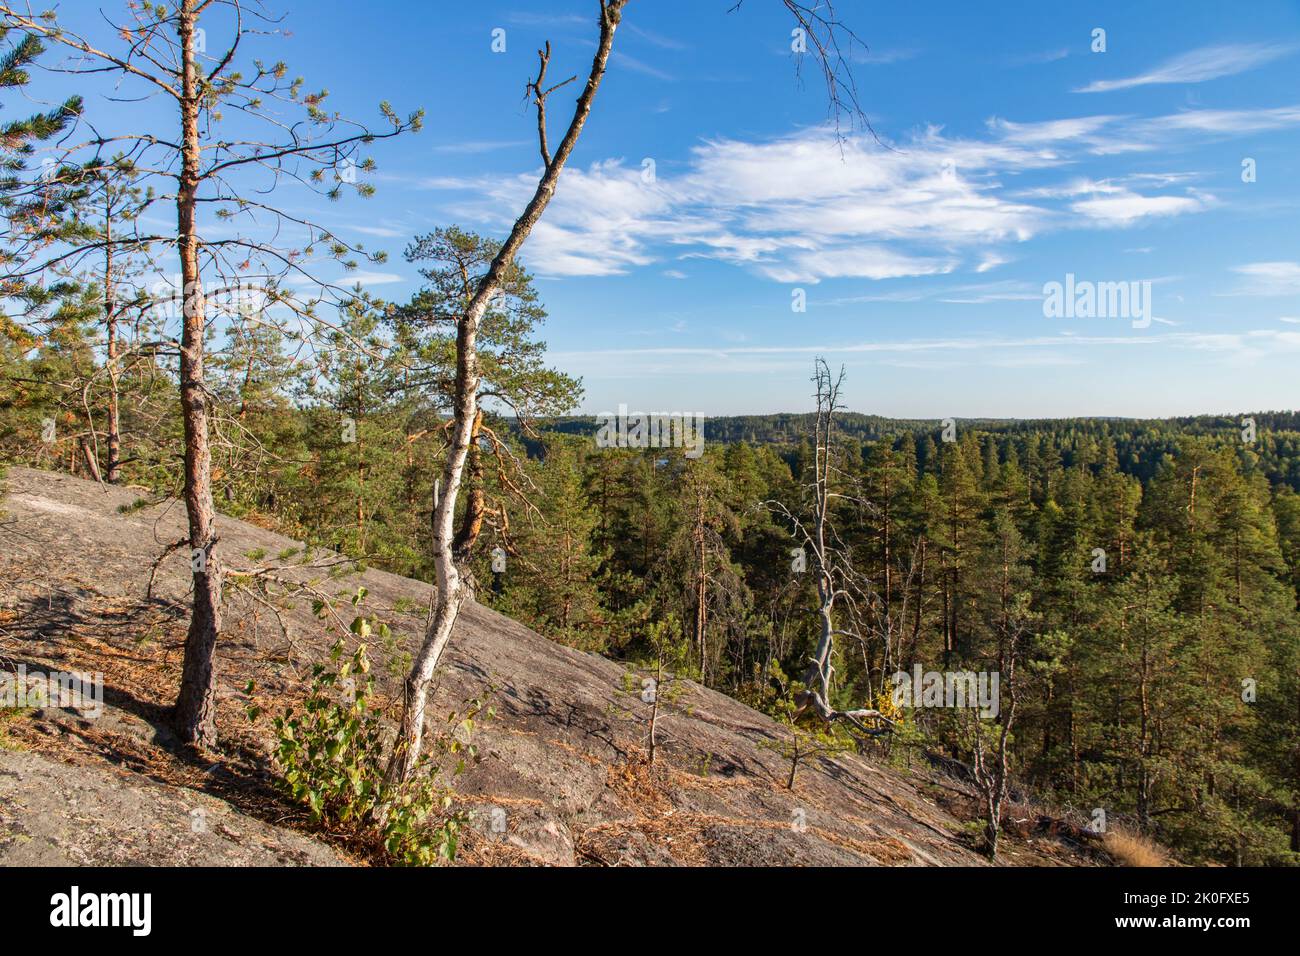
(1234, 122)
(640, 66)
(794, 209)
(347, 280)
(809, 206)
(1062, 349)
(1124, 208)
(1046, 56)
(1114, 135)
(655, 39)
(599, 222)
(1197, 66)
(1113, 203)
(472, 147)
(1050, 131)
(1008, 290)
(1270, 278)
(864, 261)
(384, 232)
(350, 279)
(881, 57)
(1074, 187)
(1005, 290)
(528, 19)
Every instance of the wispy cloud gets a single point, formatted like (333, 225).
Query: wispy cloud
(1231, 122)
(808, 206)
(1230, 346)
(640, 66)
(350, 279)
(1105, 135)
(1078, 128)
(1005, 290)
(981, 293)
(861, 261)
(1045, 56)
(655, 39)
(524, 18)
(1197, 66)
(875, 57)
(384, 232)
(1270, 278)
(480, 146)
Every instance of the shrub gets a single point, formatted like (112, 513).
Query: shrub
(332, 758)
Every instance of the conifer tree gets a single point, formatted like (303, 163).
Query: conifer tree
(161, 49)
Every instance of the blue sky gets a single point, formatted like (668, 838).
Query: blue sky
(1013, 154)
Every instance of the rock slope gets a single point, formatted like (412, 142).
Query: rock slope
(559, 774)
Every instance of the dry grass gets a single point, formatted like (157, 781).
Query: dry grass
(1131, 849)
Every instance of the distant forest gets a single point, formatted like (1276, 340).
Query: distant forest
(1140, 443)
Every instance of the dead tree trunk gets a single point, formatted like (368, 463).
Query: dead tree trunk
(700, 554)
(991, 768)
(88, 453)
(818, 676)
(832, 568)
(451, 592)
(654, 707)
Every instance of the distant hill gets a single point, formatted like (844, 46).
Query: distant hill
(1140, 444)
(784, 427)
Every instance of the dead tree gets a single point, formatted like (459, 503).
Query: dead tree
(162, 51)
(841, 590)
(990, 764)
(451, 592)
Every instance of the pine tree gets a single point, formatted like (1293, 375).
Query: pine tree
(512, 372)
(553, 559)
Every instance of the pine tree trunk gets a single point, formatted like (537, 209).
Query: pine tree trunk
(885, 535)
(701, 590)
(196, 706)
(361, 465)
